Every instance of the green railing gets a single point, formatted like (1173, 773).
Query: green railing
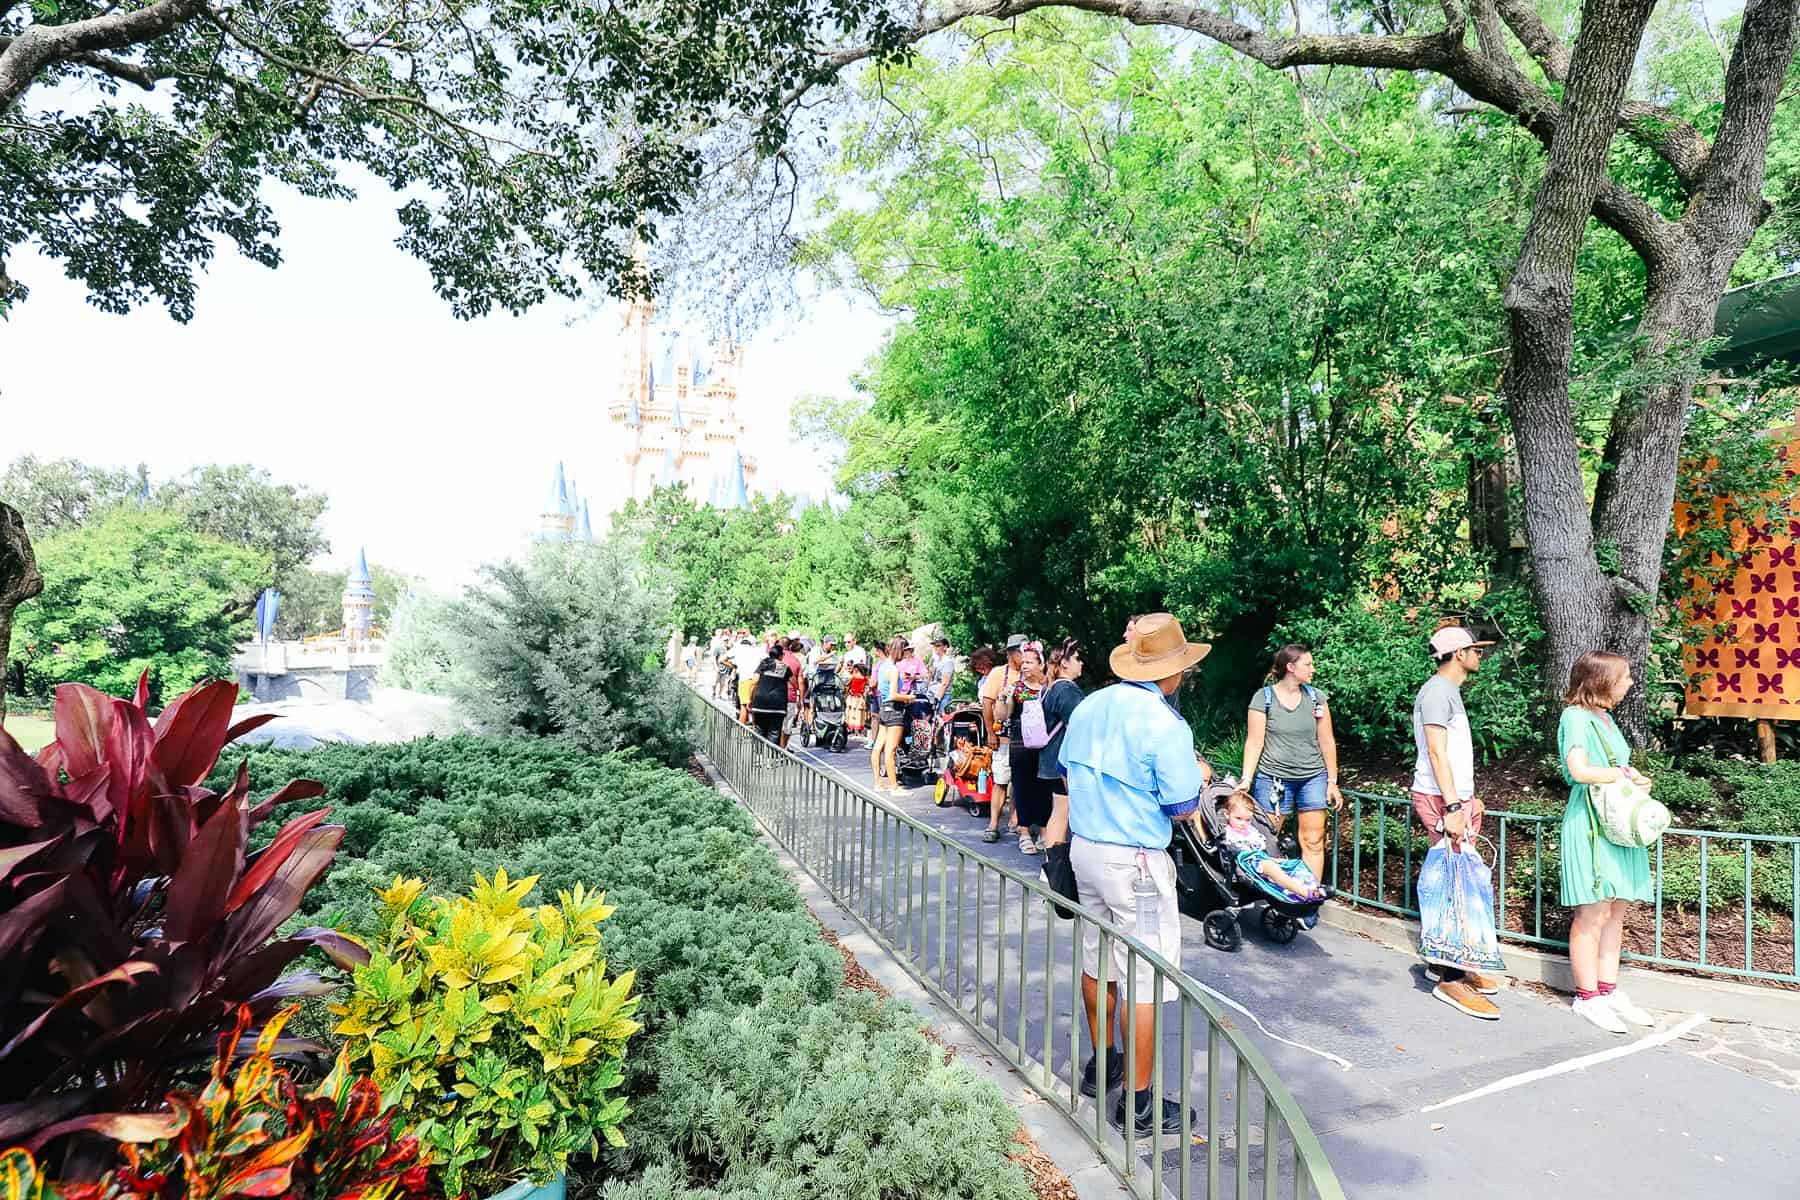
(1752, 879)
(986, 941)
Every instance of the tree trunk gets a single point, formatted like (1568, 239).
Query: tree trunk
(19, 582)
(1575, 596)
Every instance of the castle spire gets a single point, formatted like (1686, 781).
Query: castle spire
(359, 602)
(557, 522)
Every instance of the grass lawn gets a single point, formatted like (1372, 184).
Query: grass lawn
(30, 732)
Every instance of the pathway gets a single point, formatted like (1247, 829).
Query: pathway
(1659, 1120)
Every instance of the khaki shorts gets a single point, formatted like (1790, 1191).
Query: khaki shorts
(1105, 874)
(1002, 766)
(744, 688)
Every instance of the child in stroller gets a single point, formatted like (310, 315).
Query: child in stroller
(824, 724)
(1220, 873)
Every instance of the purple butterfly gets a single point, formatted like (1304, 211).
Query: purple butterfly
(1762, 583)
(1768, 683)
(1710, 658)
(1730, 683)
(1743, 608)
(1788, 607)
(1781, 556)
(1767, 633)
(1787, 658)
(1749, 658)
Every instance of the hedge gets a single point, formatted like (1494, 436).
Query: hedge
(757, 1073)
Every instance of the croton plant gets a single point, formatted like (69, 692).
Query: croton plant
(134, 920)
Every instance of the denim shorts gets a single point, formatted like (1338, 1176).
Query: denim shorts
(1290, 795)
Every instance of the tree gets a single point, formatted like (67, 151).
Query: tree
(1682, 189)
(531, 140)
(569, 646)
(424, 652)
(242, 505)
(135, 591)
(61, 493)
(20, 580)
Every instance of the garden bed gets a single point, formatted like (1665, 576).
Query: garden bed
(758, 1070)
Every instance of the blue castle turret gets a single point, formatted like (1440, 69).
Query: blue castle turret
(359, 602)
(733, 492)
(586, 530)
(557, 522)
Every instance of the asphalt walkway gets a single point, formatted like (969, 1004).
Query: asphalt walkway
(1654, 1121)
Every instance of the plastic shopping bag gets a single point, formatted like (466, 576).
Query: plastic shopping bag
(1456, 910)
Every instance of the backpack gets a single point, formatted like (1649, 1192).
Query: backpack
(1032, 734)
(1306, 690)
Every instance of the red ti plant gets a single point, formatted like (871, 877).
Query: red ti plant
(133, 922)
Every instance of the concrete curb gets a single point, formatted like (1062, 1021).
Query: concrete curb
(1720, 999)
(1054, 1133)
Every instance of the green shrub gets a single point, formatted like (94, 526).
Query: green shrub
(846, 1097)
(1765, 797)
(1691, 797)
(1372, 659)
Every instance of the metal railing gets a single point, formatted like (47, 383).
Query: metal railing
(1683, 929)
(986, 941)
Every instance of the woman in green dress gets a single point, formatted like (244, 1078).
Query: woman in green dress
(1600, 879)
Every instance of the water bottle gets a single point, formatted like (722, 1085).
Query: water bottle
(981, 782)
(1149, 904)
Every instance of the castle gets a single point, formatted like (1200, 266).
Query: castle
(678, 413)
(340, 665)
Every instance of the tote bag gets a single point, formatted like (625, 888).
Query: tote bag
(1032, 733)
(1622, 810)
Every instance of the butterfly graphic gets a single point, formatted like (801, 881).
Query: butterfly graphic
(1767, 633)
(1749, 658)
(1710, 610)
(1781, 556)
(1768, 683)
(1762, 534)
(1762, 583)
(1786, 607)
(1730, 683)
(1743, 608)
(1710, 658)
(1794, 530)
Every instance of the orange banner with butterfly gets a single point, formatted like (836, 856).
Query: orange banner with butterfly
(1747, 664)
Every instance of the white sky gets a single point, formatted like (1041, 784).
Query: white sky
(434, 438)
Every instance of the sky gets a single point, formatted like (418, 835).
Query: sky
(434, 438)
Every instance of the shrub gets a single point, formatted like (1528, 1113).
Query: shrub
(1372, 659)
(844, 1098)
(563, 647)
(251, 1132)
(134, 923)
(1766, 796)
(493, 1029)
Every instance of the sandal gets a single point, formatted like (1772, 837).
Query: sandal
(990, 834)
(1026, 845)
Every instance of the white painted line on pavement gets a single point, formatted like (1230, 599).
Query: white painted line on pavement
(1573, 1064)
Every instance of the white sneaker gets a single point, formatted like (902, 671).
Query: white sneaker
(1600, 1013)
(1629, 1011)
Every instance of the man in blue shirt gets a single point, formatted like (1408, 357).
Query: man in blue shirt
(1132, 770)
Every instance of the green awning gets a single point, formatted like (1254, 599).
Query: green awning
(1760, 322)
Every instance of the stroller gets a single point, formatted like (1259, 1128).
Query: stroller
(962, 761)
(825, 722)
(914, 756)
(1213, 889)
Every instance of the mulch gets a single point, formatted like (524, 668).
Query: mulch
(1046, 1178)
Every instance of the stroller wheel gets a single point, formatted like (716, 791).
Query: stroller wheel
(1278, 927)
(1222, 932)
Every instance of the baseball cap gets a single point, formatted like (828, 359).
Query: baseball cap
(940, 640)
(1452, 638)
(1016, 642)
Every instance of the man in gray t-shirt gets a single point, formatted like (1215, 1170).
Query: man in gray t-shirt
(943, 671)
(1443, 789)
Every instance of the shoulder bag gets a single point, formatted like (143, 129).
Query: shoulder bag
(1623, 812)
(1032, 734)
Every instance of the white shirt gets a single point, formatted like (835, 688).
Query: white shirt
(747, 658)
(1440, 702)
(854, 655)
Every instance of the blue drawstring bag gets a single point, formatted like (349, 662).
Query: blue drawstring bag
(1456, 910)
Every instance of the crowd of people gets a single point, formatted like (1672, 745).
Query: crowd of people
(1095, 781)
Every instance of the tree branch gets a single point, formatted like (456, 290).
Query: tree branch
(41, 46)
(1543, 46)
(118, 68)
(1730, 186)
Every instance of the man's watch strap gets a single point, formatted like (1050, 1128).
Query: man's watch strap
(1453, 806)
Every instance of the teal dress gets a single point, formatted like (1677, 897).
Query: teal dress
(1594, 869)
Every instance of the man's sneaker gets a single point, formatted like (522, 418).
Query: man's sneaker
(1465, 999)
(1627, 1010)
(1598, 1012)
(1481, 983)
(1146, 1122)
(1115, 1072)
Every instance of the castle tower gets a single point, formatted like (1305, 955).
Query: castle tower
(359, 603)
(557, 522)
(586, 530)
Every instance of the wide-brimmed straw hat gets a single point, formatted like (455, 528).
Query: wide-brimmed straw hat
(1156, 650)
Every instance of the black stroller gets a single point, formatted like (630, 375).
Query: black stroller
(914, 755)
(1212, 888)
(824, 724)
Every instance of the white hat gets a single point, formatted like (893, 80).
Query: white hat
(1452, 638)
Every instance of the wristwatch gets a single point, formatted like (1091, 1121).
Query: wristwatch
(1454, 806)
